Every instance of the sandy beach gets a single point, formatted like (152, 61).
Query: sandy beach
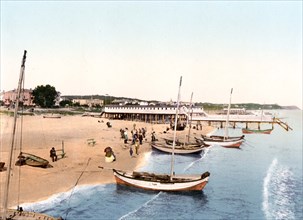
(80, 166)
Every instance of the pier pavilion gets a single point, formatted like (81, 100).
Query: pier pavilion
(148, 113)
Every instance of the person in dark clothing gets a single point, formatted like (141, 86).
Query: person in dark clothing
(140, 138)
(131, 151)
(53, 154)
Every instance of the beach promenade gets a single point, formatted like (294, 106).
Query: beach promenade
(80, 166)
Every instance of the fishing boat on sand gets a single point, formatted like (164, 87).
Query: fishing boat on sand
(163, 182)
(18, 213)
(32, 160)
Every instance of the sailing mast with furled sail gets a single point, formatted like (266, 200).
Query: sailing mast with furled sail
(11, 213)
(163, 182)
(225, 140)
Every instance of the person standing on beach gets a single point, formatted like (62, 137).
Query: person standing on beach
(125, 136)
(131, 151)
(137, 145)
(140, 137)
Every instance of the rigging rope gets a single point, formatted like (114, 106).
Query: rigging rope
(68, 207)
(21, 141)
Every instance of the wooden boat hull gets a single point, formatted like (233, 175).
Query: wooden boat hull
(178, 143)
(178, 149)
(221, 138)
(178, 184)
(228, 144)
(253, 131)
(33, 160)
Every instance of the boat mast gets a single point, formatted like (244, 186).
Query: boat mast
(190, 115)
(175, 131)
(227, 118)
(9, 169)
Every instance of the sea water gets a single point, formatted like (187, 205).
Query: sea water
(262, 180)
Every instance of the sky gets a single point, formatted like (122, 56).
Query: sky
(140, 49)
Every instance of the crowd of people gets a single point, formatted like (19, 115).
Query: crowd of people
(137, 137)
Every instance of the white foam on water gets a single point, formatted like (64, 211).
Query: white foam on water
(203, 156)
(57, 198)
(278, 192)
(144, 205)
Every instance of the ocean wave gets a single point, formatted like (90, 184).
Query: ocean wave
(278, 192)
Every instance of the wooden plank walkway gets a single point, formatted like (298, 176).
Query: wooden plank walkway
(244, 119)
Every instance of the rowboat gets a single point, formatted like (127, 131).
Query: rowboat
(256, 131)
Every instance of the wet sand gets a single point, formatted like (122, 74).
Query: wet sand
(80, 166)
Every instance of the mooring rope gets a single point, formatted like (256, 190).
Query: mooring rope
(68, 207)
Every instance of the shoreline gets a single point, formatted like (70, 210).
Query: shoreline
(82, 160)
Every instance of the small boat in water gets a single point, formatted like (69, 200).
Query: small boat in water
(161, 182)
(220, 138)
(256, 131)
(224, 140)
(224, 143)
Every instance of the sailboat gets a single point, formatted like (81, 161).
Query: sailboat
(163, 182)
(5, 212)
(180, 147)
(225, 140)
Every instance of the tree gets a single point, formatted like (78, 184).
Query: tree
(45, 96)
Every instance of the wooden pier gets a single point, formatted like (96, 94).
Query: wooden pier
(164, 114)
(241, 119)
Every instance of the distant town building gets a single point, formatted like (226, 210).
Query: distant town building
(235, 111)
(89, 102)
(9, 98)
